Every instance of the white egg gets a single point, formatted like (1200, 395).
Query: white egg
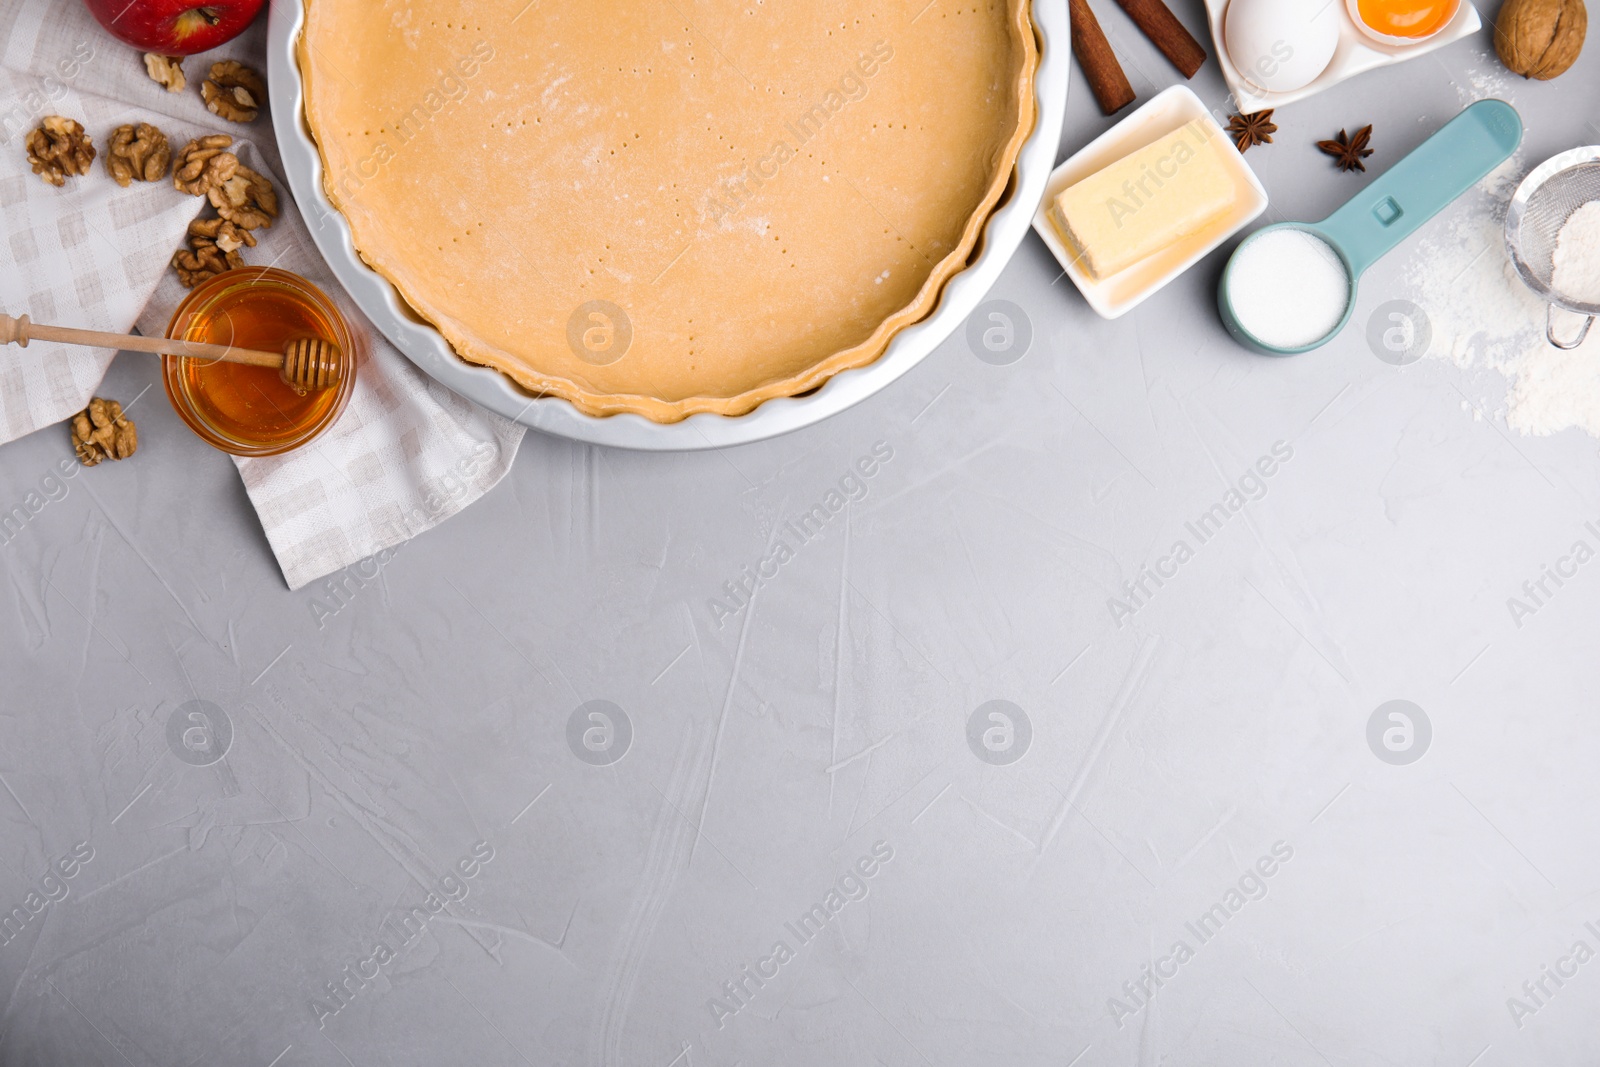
(1281, 45)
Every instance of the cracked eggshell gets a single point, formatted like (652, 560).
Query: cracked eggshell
(1279, 46)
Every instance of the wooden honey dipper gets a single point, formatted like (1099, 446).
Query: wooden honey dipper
(305, 363)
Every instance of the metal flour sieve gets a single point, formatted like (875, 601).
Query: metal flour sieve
(1543, 203)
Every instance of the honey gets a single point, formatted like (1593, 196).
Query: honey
(1405, 19)
(247, 410)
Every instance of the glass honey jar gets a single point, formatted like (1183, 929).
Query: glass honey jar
(247, 410)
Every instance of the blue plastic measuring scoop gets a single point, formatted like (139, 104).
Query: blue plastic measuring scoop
(1389, 210)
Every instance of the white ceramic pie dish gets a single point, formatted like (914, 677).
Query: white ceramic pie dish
(427, 348)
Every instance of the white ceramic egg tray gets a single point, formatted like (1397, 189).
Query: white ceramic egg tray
(1356, 53)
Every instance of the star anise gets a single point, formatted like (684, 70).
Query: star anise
(1348, 152)
(1252, 129)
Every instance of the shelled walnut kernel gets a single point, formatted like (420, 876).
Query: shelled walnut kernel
(101, 431)
(166, 71)
(233, 91)
(59, 148)
(245, 199)
(203, 163)
(138, 152)
(204, 259)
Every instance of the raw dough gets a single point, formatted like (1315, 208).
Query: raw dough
(768, 192)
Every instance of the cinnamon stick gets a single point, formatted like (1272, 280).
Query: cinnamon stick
(1100, 66)
(1158, 23)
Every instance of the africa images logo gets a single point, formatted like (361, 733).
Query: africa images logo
(1399, 732)
(446, 91)
(999, 733)
(739, 190)
(396, 933)
(599, 332)
(1251, 886)
(795, 533)
(1248, 488)
(199, 733)
(53, 888)
(599, 733)
(851, 886)
(999, 333)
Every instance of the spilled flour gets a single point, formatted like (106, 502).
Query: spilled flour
(1483, 316)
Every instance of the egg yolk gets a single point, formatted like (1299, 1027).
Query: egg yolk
(1407, 18)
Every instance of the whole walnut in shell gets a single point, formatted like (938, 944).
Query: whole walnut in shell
(1540, 38)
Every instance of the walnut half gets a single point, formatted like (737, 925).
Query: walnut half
(222, 233)
(214, 246)
(233, 91)
(202, 163)
(58, 148)
(138, 152)
(245, 199)
(102, 431)
(203, 260)
(166, 71)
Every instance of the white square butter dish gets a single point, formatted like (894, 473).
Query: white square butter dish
(1165, 113)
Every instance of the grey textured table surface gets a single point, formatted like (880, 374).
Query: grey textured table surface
(401, 858)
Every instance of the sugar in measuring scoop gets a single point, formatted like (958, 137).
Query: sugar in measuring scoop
(1291, 287)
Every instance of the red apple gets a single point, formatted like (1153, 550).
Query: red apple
(175, 27)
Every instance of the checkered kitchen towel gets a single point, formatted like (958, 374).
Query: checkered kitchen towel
(406, 455)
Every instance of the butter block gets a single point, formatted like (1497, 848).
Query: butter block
(1148, 200)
